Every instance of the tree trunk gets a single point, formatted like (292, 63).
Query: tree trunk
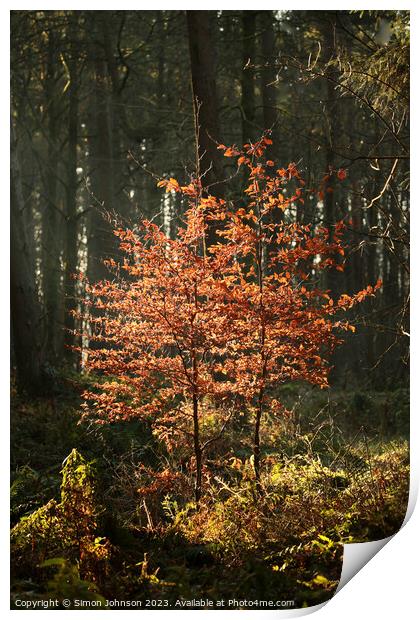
(263, 359)
(205, 102)
(372, 274)
(101, 241)
(117, 114)
(331, 122)
(26, 311)
(71, 261)
(248, 76)
(51, 216)
(257, 448)
(198, 453)
(268, 85)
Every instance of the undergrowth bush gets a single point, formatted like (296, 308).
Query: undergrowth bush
(306, 514)
(324, 483)
(64, 529)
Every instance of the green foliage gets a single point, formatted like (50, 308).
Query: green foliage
(329, 476)
(66, 528)
(307, 513)
(383, 77)
(67, 584)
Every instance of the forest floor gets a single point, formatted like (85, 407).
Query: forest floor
(115, 520)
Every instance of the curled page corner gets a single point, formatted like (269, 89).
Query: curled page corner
(356, 555)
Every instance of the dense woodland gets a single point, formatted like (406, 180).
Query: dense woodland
(258, 152)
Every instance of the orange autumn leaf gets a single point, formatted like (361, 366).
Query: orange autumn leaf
(231, 152)
(170, 184)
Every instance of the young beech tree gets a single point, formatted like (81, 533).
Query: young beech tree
(226, 323)
(165, 330)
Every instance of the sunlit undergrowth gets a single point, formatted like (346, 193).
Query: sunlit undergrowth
(333, 472)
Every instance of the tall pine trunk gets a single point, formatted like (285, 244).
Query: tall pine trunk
(101, 241)
(248, 76)
(269, 87)
(205, 100)
(51, 215)
(71, 245)
(26, 310)
(331, 114)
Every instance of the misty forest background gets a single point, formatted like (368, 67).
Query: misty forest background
(103, 106)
